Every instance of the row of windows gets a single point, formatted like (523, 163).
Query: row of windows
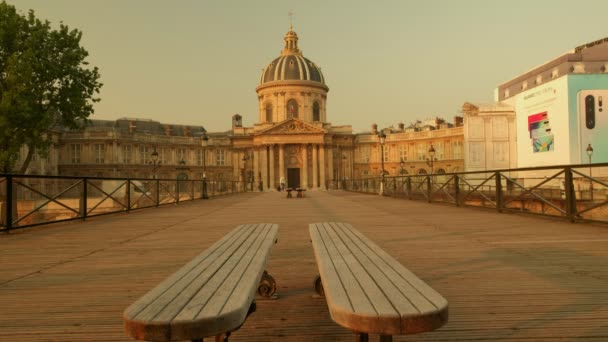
(420, 153)
(292, 110)
(144, 154)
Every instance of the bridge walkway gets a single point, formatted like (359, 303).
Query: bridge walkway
(507, 277)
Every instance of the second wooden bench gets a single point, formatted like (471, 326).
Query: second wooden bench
(367, 290)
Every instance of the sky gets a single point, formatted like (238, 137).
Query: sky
(198, 62)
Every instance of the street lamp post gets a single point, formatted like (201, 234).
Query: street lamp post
(204, 142)
(155, 163)
(382, 139)
(589, 154)
(431, 160)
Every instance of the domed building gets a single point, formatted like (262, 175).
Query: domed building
(292, 87)
(292, 142)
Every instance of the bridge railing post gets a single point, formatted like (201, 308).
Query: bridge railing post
(570, 195)
(10, 204)
(457, 190)
(499, 199)
(83, 199)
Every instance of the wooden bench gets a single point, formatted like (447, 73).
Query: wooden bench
(289, 190)
(211, 295)
(300, 192)
(367, 290)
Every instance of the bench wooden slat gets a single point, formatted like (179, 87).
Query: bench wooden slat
(145, 301)
(382, 307)
(197, 299)
(429, 300)
(411, 300)
(208, 296)
(171, 294)
(388, 287)
(404, 304)
(355, 294)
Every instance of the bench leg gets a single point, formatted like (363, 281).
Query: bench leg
(267, 286)
(361, 337)
(318, 286)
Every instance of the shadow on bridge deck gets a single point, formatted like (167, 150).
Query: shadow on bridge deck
(506, 277)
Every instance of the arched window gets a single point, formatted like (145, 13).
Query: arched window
(292, 109)
(422, 172)
(268, 112)
(315, 112)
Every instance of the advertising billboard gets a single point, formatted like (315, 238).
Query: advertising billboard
(558, 120)
(543, 134)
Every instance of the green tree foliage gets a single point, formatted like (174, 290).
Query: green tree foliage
(45, 83)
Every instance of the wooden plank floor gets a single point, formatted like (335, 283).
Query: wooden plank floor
(507, 277)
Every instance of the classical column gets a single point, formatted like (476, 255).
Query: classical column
(282, 162)
(271, 184)
(304, 166)
(322, 168)
(256, 168)
(330, 163)
(315, 168)
(264, 160)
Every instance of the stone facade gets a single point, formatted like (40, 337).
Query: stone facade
(293, 141)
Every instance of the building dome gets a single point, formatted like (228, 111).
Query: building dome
(291, 65)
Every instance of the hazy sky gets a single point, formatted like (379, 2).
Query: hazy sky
(198, 62)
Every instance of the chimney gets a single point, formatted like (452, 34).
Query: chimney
(132, 127)
(168, 130)
(458, 121)
(401, 126)
(374, 129)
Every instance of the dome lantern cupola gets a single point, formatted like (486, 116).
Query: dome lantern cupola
(291, 43)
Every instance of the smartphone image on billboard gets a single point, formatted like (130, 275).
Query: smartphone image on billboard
(541, 136)
(593, 124)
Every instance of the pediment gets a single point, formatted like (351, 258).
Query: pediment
(293, 126)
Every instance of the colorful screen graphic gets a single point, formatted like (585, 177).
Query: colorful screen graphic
(540, 132)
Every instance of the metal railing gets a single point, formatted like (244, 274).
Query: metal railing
(30, 200)
(575, 192)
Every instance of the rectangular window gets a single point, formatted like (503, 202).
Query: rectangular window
(439, 150)
(163, 156)
(403, 152)
(364, 153)
(476, 128)
(476, 152)
(127, 154)
(100, 153)
(501, 151)
(181, 154)
(500, 127)
(457, 149)
(386, 153)
(199, 157)
(75, 153)
(144, 154)
(421, 151)
(220, 155)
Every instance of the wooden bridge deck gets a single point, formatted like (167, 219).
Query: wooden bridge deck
(507, 277)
